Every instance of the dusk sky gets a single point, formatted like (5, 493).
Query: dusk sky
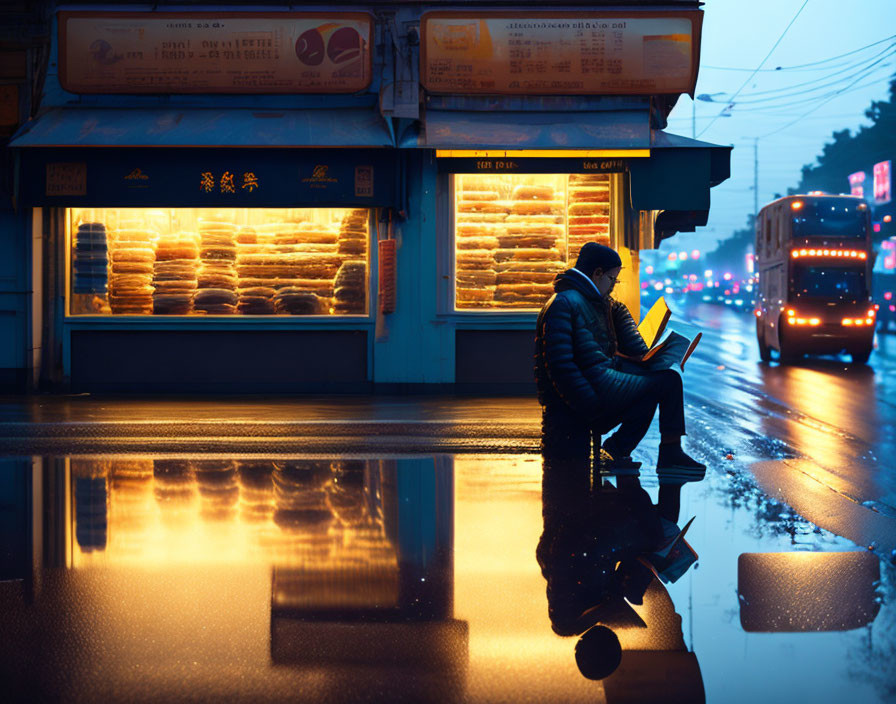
(770, 105)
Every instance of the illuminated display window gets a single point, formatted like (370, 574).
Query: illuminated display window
(206, 262)
(513, 233)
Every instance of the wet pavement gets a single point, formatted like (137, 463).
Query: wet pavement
(399, 548)
(422, 578)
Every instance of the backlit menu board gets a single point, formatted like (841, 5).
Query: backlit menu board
(226, 52)
(547, 53)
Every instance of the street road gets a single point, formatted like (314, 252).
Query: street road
(818, 434)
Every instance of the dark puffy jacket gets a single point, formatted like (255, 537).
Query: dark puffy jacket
(576, 339)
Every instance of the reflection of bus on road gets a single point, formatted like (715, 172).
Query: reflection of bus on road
(814, 258)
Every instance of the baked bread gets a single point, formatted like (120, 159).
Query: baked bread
(523, 192)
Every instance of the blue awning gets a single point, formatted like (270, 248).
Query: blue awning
(140, 127)
(451, 129)
(678, 174)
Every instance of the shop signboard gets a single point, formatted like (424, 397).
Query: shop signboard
(457, 162)
(561, 53)
(882, 182)
(857, 184)
(243, 178)
(222, 52)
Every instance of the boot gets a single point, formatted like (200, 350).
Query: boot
(617, 463)
(673, 464)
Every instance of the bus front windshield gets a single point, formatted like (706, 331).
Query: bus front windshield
(829, 283)
(830, 217)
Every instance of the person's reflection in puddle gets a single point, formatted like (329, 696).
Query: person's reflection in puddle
(598, 553)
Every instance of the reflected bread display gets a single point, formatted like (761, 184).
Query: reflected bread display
(202, 261)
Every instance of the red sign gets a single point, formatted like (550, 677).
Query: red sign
(856, 184)
(882, 182)
(222, 52)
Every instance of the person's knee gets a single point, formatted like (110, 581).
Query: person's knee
(670, 379)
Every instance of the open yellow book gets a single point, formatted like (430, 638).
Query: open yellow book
(674, 349)
(654, 323)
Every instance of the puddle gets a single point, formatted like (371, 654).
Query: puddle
(440, 578)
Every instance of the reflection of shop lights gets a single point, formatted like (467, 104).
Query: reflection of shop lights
(850, 253)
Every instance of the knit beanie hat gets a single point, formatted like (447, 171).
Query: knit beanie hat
(596, 256)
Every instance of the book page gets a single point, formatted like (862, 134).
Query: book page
(654, 323)
(690, 350)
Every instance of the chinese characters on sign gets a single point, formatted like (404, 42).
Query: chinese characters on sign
(560, 53)
(165, 52)
(227, 182)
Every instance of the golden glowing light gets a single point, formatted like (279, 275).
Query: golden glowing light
(541, 153)
(796, 205)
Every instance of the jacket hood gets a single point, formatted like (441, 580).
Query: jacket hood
(572, 278)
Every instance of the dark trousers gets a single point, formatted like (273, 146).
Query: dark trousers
(565, 434)
(665, 391)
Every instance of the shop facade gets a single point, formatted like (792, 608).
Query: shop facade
(370, 199)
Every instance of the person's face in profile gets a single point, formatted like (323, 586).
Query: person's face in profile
(605, 280)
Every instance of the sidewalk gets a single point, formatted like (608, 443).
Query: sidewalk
(90, 424)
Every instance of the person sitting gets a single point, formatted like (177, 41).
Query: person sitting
(582, 386)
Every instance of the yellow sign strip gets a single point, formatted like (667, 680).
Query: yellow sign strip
(540, 153)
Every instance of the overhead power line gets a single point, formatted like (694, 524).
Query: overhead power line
(863, 63)
(813, 109)
(761, 63)
(863, 72)
(769, 109)
(800, 66)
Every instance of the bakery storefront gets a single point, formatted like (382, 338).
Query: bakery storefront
(211, 246)
(528, 173)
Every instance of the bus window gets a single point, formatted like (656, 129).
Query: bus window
(829, 282)
(830, 217)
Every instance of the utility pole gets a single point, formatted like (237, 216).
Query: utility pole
(693, 118)
(755, 178)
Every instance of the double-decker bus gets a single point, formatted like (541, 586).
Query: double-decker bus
(814, 260)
